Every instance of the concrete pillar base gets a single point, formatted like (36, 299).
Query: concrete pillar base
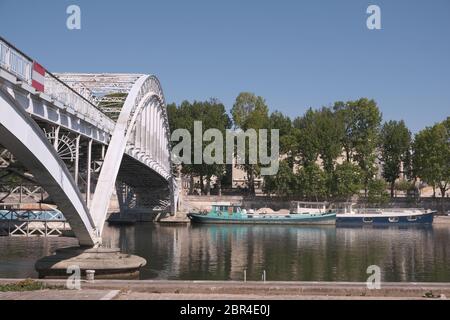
(108, 263)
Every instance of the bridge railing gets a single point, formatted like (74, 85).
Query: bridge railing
(61, 92)
(17, 63)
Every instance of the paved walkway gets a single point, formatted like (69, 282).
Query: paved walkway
(225, 290)
(60, 295)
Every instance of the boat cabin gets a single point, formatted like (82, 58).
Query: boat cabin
(308, 207)
(226, 207)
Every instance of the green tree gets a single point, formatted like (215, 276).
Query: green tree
(346, 181)
(361, 121)
(431, 156)
(395, 140)
(250, 112)
(405, 186)
(377, 194)
(318, 135)
(284, 124)
(212, 115)
(312, 182)
(245, 105)
(283, 184)
(329, 132)
(305, 133)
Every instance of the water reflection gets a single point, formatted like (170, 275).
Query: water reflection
(18, 254)
(221, 252)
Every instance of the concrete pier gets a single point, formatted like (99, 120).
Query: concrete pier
(178, 218)
(106, 262)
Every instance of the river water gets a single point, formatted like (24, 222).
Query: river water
(288, 253)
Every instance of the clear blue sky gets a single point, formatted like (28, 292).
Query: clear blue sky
(295, 54)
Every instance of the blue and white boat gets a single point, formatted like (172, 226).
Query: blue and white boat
(384, 216)
(226, 213)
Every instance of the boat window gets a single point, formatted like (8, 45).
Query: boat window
(367, 220)
(412, 218)
(393, 219)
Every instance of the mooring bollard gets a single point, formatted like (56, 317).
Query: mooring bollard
(90, 275)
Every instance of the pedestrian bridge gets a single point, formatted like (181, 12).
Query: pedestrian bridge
(84, 137)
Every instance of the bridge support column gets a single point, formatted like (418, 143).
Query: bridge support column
(77, 159)
(108, 263)
(88, 179)
(56, 142)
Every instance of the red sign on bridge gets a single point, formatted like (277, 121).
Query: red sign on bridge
(38, 77)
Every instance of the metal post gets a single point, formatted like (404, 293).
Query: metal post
(155, 125)
(103, 152)
(156, 134)
(88, 180)
(56, 141)
(137, 126)
(147, 129)
(245, 275)
(161, 138)
(77, 159)
(153, 132)
(143, 133)
(158, 150)
(145, 118)
(264, 276)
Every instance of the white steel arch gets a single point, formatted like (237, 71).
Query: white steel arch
(144, 110)
(20, 134)
(142, 132)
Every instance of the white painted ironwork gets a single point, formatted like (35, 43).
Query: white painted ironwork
(70, 101)
(76, 102)
(15, 62)
(5, 156)
(43, 220)
(21, 135)
(66, 101)
(35, 228)
(64, 145)
(22, 194)
(101, 84)
(132, 129)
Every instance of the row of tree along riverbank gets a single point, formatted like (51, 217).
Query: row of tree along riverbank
(334, 152)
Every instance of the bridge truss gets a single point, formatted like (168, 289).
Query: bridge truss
(85, 136)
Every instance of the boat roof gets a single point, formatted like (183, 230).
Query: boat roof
(309, 203)
(226, 204)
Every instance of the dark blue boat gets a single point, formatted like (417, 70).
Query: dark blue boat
(386, 217)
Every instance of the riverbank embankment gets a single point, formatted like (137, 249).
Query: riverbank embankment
(227, 290)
